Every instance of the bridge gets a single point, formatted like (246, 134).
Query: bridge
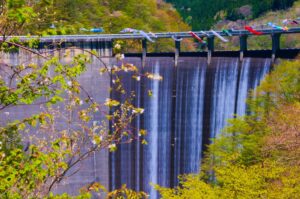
(274, 52)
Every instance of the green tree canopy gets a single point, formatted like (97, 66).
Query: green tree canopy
(203, 14)
(68, 16)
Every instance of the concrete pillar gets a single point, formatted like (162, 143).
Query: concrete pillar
(243, 46)
(177, 51)
(210, 47)
(275, 45)
(144, 52)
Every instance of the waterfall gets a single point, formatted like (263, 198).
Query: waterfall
(175, 121)
(189, 115)
(153, 127)
(223, 93)
(252, 72)
(124, 164)
(157, 122)
(188, 107)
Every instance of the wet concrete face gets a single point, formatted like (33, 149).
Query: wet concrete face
(187, 108)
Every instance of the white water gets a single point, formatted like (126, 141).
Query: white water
(153, 132)
(137, 165)
(169, 154)
(252, 72)
(224, 93)
(189, 115)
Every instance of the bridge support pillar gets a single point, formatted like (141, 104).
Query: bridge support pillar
(177, 51)
(275, 45)
(243, 46)
(210, 47)
(110, 47)
(144, 52)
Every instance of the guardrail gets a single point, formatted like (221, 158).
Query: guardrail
(242, 34)
(71, 38)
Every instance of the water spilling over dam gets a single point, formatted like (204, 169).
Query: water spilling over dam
(186, 109)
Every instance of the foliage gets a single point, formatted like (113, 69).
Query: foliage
(41, 150)
(287, 41)
(33, 170)
(124, 193)
(69, 16)
(264, 41)
(201, 14)
(256, 156)
(59, 17)
(14, 14)
(50, 151)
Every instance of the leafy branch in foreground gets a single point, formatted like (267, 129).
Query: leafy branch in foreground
(41, 150)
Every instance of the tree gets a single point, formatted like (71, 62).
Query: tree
(38, 152)
(257, 156)
(203, 14)
(51, 17)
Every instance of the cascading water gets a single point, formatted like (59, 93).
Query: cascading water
(175, 120)
(190, 105)
(252, 71)
(153, 127)
(224, 93)
(188, 115)
(157, 122)
(124, 164)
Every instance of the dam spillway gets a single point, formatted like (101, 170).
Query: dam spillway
(179, 126)
(187, 108)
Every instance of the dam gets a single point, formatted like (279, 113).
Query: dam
(199, 92)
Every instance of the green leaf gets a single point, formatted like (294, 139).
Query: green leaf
(144, 142)
(111, 103)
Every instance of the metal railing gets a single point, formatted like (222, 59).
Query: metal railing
(91, 37)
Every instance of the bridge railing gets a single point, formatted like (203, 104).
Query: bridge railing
(242, 34)
(160, 35)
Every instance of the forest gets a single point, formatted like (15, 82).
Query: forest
(202, 14)
(69, 16)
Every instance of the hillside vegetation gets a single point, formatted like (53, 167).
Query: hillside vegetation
(68, 16)
(262, 42)
(202, 14)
